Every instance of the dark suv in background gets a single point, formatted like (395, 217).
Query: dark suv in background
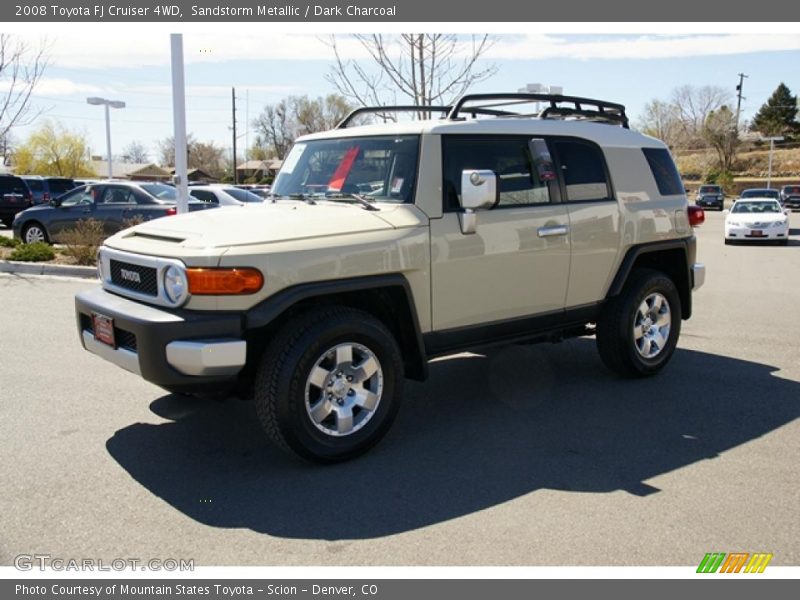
(45, 189)
(15, 196)
(790, 196)
(710, 196)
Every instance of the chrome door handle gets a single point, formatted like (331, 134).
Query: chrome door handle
(551, 231)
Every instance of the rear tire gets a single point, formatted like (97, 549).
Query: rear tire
(639, 329)
(329, 384)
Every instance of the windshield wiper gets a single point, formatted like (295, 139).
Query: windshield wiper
(365, 201)
(297, 196)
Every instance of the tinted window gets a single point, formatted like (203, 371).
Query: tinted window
(35, 185)
(708, 189)
(117, 195)
(666, 175)
(160, 191)
(59, 186)
(583, 169)
(204, 195)
(242, 195)
(13, 185)
(509, 158)
(82, 195)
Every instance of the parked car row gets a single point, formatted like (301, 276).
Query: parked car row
(713, 196)
(116, 204)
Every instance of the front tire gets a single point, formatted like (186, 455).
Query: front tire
(639, 329)
(329, 384)
(34, 232)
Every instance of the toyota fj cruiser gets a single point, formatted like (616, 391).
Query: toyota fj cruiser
(387, 244)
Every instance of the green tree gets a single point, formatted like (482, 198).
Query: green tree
(777, 116)
(719, 131)
(54, 150)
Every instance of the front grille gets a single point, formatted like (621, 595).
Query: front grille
(125, 339)
(137, 278)
(756, 225)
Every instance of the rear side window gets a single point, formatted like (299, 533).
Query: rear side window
(664, 171)
(36, 185)
(584, 171)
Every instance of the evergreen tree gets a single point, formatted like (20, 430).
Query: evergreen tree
(777, 116)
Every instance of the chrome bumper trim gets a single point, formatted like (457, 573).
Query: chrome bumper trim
(698, 275)
(207, 358)
(119, 356)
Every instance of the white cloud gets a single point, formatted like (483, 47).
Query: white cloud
(538, 47)
(57, 86)
(106, 49)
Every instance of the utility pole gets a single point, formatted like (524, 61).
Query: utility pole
(233, 98)
(771, 140)
(739, 98)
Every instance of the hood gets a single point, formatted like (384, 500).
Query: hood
(258, 224)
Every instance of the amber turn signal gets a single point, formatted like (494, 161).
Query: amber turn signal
(224, 282)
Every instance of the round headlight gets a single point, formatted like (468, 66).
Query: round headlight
(176, 286)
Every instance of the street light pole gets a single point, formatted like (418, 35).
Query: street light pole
(771, 141)
(108, 105)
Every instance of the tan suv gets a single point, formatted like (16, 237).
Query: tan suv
(385, 245)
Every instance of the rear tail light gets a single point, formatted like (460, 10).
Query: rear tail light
(697, 216)
(172, 211)
(45, 197)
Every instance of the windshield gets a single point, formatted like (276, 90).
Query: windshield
(765, 193)
(767, 206)
(380, 168)
(160, 191)
(710, 189)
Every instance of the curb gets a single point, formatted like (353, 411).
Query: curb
(26, 268)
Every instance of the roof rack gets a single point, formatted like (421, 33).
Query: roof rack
(443, 110)
(598, 110)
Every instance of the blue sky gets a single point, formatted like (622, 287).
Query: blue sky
(631, 69)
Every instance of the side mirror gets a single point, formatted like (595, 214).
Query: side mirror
(478, 192)
(54, 202)
(726, 211)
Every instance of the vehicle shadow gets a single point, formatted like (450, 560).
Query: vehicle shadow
(482, 431)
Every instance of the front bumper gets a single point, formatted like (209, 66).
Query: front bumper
(749, 233)
(177, 350)
(709, 203)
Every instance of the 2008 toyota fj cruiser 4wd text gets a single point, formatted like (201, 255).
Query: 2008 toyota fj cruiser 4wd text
(385, 245)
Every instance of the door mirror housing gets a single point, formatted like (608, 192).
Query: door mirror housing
(478, 189)
(478, 192)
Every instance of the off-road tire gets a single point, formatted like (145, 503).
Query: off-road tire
(283, 376)
(616, 337)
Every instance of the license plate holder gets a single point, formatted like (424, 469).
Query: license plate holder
(757, 233)
(103, 329)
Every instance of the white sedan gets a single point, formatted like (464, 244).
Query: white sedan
(757, 219)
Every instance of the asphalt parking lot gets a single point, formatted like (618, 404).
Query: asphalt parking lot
(529, 455)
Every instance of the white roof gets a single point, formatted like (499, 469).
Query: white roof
(604, 134)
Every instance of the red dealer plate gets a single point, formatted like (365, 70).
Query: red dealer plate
(103, 329)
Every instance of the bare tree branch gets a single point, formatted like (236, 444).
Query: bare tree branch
(426, 68)
(21, 68)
